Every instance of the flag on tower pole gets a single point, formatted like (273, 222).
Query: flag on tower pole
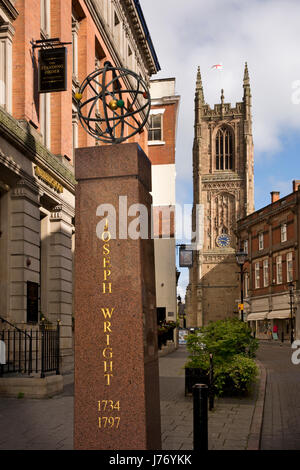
(218, 66)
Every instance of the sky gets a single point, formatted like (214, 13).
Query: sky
(263, 33)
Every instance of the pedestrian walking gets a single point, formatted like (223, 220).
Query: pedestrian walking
(275, 332)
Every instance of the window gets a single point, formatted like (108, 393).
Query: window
(261, 241)
(283, 233)
(266, 272)
(45, 118)
(246, 285)
(257, 276)
(289, 266)
(246, 246)
(75, 29)
(6, 36)
(117, 30)
(279, 269)
(45, 16)
(224, 149)
(155, 130)
(74, 128)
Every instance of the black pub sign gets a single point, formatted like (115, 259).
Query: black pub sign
(52, 69)
(185, 257)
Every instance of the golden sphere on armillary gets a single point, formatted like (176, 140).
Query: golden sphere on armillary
(78, 96)
(113, 104)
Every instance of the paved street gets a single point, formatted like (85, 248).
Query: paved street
(48, 424)
(281, 424)
(229, 423)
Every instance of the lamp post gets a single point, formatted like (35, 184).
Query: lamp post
(291, 291)
(240, 259)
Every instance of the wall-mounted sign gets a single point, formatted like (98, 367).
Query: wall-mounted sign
(185, 257)
(52, 69)
(43, 175)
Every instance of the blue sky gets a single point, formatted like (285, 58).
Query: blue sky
(266, 34)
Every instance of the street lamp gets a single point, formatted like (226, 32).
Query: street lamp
(291, 291)
(240, 259)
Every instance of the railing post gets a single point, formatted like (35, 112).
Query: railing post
(200, 395)
(57, 347)
(211, 383)
(30, 354)
(42, 351)
(2, 365)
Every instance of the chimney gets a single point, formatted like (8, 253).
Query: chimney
(275, 196)
(296, 185)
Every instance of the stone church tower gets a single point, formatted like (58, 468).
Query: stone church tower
(223, 179)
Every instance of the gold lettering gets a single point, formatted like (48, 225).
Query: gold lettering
(110, 354)
(106, 236)
(107, 313)
(108, 378)
(108, 366)
(107, 274)
(106, 249)
(106, 263)
(107, 326)
(109, 288)
(107, 340)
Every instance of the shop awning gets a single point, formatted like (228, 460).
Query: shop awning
(257, 316)
(279, 314)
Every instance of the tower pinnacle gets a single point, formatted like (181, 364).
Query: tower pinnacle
(246, 76)
(199, 87)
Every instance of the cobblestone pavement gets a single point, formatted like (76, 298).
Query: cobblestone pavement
(281, 421)
(36, 424)
(228, 424)
(48, 424)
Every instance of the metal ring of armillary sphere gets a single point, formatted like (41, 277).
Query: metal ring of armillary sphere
(108, 108)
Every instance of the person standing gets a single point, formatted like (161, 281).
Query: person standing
(275, 332)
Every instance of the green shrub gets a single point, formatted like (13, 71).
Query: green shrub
(233, 348)
(224, 339)
(236, 376)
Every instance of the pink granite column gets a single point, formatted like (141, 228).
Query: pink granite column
(116, 365)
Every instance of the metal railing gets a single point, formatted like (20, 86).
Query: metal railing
(30, 351)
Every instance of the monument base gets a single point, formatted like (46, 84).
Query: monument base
(117, 404)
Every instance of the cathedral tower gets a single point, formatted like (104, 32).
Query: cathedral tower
(223, 185)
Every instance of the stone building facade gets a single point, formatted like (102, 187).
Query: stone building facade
(38, 135)
(270, 236)
(223, 185)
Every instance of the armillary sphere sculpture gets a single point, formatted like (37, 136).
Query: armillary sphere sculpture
(105, 114)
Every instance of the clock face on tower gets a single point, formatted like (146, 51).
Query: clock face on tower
(223, 240)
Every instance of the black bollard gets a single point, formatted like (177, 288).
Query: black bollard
(200, 396)
(211, 395)
(282, 336)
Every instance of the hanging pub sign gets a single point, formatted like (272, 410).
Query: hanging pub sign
(52, 69)
(185, 257)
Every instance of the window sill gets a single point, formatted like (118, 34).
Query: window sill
(156, 142)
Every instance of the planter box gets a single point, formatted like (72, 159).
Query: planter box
(194, 376)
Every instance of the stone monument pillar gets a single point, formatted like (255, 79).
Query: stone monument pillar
(117, 402)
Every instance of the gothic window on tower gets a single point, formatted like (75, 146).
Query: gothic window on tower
(224, 149)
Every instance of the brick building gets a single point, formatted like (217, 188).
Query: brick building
(223, 182)
(270, 236)
(162, 142)
(38, 135)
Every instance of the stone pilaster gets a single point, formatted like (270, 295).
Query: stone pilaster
(60, 280)
(24, 246)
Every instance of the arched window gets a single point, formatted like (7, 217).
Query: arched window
(224, 149)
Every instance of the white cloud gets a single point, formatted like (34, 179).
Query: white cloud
(265, 33)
